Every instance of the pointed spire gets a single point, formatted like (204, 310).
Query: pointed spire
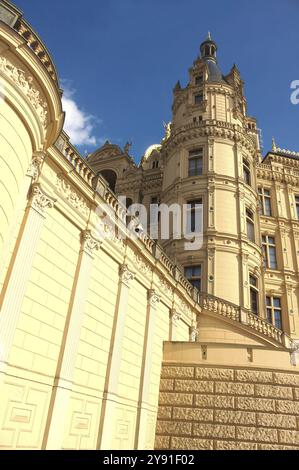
(177, 86)
(209, 36)
(274, 148)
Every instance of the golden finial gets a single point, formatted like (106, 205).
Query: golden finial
(273, 145)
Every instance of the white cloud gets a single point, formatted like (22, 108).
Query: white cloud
(79, 125)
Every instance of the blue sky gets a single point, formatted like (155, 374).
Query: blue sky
(119, 60)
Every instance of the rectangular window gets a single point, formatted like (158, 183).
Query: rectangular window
(254, 294)
(265, 201)
(246, 172)
(195, 162)
(273, 306)
(297, 206)
(198, 98)
(250, 225)
(199, 79)
(269, 252)
(193, 219)
(193, 274)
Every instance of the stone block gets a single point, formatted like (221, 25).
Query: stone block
(200, 386)
(214, 373)
(168, 398)
(255, 404)
(234, 417)
(188, 443)
(234, 388)
(193, 414)
(177, 372)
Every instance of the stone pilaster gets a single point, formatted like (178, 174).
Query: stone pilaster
(31, 176)
(21, 264)
(114, 361)
(66, 364)
(144, 413)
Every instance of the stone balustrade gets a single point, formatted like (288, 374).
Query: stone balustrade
(37, 46)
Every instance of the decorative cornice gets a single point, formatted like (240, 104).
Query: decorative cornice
(125, 275)
(88, 243)
(39, 200)
(24, 83)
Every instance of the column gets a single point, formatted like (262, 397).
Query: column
(175, 317)
(144, 414)
(114, 360)
(31, 176)
(21, 264)
(63, 382)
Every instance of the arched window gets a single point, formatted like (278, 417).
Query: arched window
(111, 177)
(207, 50)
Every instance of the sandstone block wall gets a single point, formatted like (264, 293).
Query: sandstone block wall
(212, 408)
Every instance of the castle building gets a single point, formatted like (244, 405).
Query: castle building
(114, 340)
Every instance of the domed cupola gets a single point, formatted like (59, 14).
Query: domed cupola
(208, 50)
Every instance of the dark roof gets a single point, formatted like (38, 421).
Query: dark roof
(214, 72)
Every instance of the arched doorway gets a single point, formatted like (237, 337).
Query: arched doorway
(111, 177)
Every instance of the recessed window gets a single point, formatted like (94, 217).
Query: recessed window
(250, 225)
(273, 306)
(199, 79)
(198, 98)
(246, 172)
(269, 252)
(195, 162)
(193, 274)
(265, 201)
(254, 294)
(193, 216)
(155, 164)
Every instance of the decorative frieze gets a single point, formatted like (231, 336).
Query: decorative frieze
(68, 193)
(25, 84)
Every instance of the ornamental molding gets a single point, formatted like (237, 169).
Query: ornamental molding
(214, 129)
(34, 168)
(125, 275)
(153, 298)
(70, 195)
(39, 200)
(88, 243)
(175, 317)
(141, 265)
(165, 287)
(25, 83)
(193, 333)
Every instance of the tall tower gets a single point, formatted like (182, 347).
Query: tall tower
(210, 157)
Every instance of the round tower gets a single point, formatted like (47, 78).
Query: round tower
(209, 158)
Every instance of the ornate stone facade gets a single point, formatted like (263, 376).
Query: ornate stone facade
(87, 310)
